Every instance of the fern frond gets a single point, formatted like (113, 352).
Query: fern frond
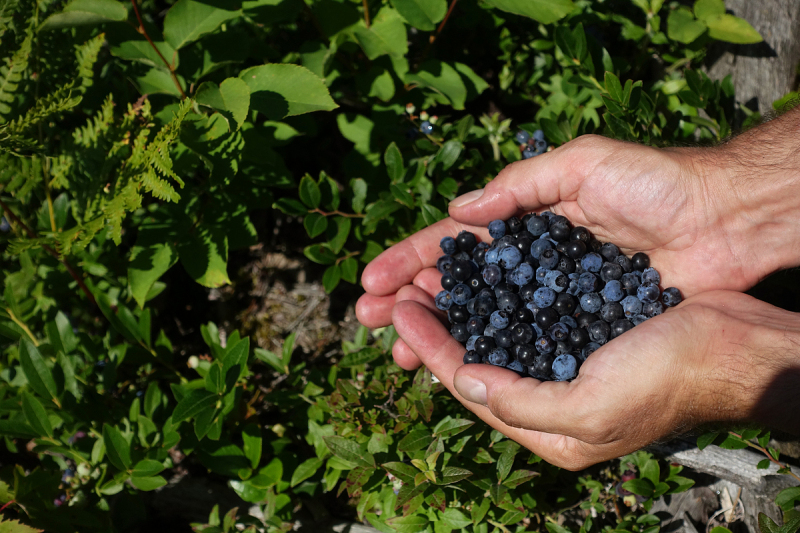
(125, 200)
(87, 57)
(77, 238)
(97, 126)
(17, 246)
(11, 74)
(7, 8)
(56, 102)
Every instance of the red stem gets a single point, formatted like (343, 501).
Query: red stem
(149, 40)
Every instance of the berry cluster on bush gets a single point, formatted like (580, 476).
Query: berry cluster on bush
(544, 295)
(531, 145)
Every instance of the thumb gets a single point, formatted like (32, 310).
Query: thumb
(533, 184)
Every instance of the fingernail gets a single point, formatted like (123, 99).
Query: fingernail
(464, 199)
(471, 389)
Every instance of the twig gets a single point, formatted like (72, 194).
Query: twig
(77, 277)
(152, 44)
(327, 214)
(433, 36)
(766, 452)
(366, 14)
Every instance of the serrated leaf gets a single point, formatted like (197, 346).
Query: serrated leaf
(36, 371)
(280, 90)
(36, 415)
(118, 450)
(232, 98)
(767, 524)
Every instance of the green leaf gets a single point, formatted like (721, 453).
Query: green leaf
(408, 524)
(415, 440)
(451, 426)
(706, 439)
(331, 278)
(787, 497)
(394, 163)
(349, 268)
(232, 98)
(767, 524)
(386, 35)
(192, 404)
(349, 451)
(449, 152)
(452, 474)
(309, 192)
(147, 468)
(705, 9)
(733, 443)
(215, 380)
(442, 78)
(360, 357)
(544, 11)
(518, 477)
(251, 435)
(613, 86)
(188, 20)
(86, 13)
(148, 262)
(556, 131)
(336, 241)
(204, 255)
(290, 206)
(682, 26)
(118, 449)
(306, 469)
(320, 254)
(431, 214)
(422, 14)
(148, 483)
(36, 415)
(236, 356)
(640, 487)
(359, 188)
(36, 371)
(401, 471)
(281, 90)
(455, 518)
(732, 29)
(315, 224)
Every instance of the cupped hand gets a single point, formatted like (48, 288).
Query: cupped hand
(703, 361)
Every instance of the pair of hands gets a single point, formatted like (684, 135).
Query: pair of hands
(691, 365)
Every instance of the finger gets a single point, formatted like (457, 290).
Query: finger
(405, 356)
(532, 184)
(429, 280)
(375, 311)
(398, 265)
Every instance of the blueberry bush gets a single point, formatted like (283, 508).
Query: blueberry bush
(144, 144)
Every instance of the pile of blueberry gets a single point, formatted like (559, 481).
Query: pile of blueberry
(544, 295)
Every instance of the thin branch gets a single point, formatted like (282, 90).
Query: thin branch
(329, 213)
(153, 45)
(766, 452)
(32, 234)
(433, 36)
(366, 14)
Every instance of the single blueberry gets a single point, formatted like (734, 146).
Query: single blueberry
(536, 225)
(471, 342)
(499, 319)
(539, 246)
(565, 367)
(549, 259)
(475, 325)
(613, 292)
(444, 300)
(492, 275)
(651, 274)
(522, 275)
(508, 302)
(538, 135)
(466, 241)
(448, 245)
(523, 137)
(497, 228)
(638, 319)
(489, 331)
(588, 282)
(471, 357)
(545, 344)
(484, 305)
(589, 349)
(444, 264)
(529, 152)
(592, 262)
(426, 127)
(544, 297)
(558, 331)
(498, 357)
(591, 302)
(510, 257)
(648, 292)
(631, 305)
(630, 282)
(671, 297)
(461, 294)
(569, 321)
(492, 256)
(652, 309)
(556, 280)
(599, 331)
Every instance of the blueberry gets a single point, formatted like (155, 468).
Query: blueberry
(459, 332)
(479, 252)
(569, 321)
(538, 135)
(529, 152)
(522, 333)
(610, 271)
(592, 262)
(523, 314)
(498, 357)
(618, 327)
(426, 128)
(522, 275)
(514, 225)
(559, 231)
(471, 358)
(492, 275)
(444, 264)
(566, 265)
(484, 305)
(640, 261)
(588, 282)
(541, 273)
(548, 259)
(523, 137)
(504, 338)
(470, 345)
(541, 145)
(523, 242)
(556, 280)
(510, 257)
(5, 227)
(444, 300)
(466, 241)
(638, 319)
(631, 305)
(671, 297)
(458, 313)
(573, 288)
(476, 283)
(624, 262)
(545, 344)
(558, 331)
(489, 331)
(591, 302)
(589, 349)
(651, 274)
(544, 297)
(609, 251)
(539, 246)
(461, 294)
(542, 366)
(475, 325)
(448, 245)
(580, 234)
(647, 292)
(461, 270)
(546, 317)
(526, 354)
(499, 319)
(497, 228)
(565, 304)
(652, 309)
(562, 348)
(565, 367)
(578, 338)
(536, 225)
(630, 282)
(508, 302)
(516, 366)
(585, 318)
(599, 331)
(492, 256)
(484, 345)
(611, 311)
(448, 282)
(613, 292)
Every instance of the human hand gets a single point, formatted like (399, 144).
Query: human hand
(719, 356)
